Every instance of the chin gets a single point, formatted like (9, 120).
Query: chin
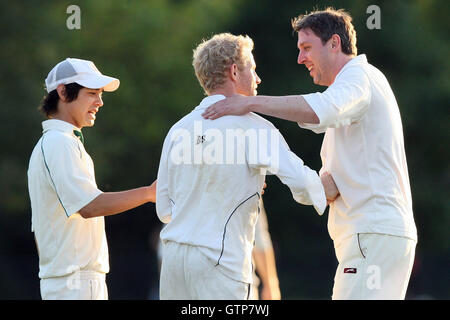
(318, 82)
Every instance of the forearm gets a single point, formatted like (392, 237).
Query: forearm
(265, 266)
(293, 108)
(110, 203)
(266, 269)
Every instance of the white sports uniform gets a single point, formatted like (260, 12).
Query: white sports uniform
(73, 251)
(210, 178)
(363, 149)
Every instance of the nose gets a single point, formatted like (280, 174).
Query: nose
(99, 101)
(301, 58)
(258, 79)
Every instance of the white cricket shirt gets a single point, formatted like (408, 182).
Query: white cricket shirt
(210, 178)
(364, 151)
(61, 181)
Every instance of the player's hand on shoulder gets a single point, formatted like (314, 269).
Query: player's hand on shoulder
(236, 105)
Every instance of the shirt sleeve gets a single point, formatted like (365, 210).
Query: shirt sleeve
(275, 157)
(163, 202)
(343, 103)
(71, 172)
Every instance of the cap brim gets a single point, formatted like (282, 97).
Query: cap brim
(100, 82)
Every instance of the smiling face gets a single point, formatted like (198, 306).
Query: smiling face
(247, 78)
(316, 57)
(82, 111)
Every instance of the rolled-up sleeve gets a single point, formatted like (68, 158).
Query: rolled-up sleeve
(343, 103)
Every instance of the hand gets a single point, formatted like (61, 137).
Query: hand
(264, 187)
(152, 192)
(236, 105)
(270, 293)
(331, 190)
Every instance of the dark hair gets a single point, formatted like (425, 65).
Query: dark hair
(49, 104)
(328, 22)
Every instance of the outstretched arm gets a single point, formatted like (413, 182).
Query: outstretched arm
(293, 108)
(109, 203)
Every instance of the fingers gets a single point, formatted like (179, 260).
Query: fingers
(326, 174)
(264, 187)
(215, 111)
(208, 113)
(211, 113)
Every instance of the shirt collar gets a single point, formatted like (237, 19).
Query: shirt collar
(55, 124)
(206, 102)
(359, 59)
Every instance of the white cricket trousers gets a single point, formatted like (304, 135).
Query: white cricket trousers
(81, 285)
(187, 274)
(373, 267)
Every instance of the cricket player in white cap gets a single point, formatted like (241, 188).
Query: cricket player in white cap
(371, 222)
(67, 207)
(210, 179)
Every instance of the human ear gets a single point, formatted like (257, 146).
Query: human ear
(233, 72)
(335, 41)
(61, 89)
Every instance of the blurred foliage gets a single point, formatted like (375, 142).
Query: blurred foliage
(148, 46)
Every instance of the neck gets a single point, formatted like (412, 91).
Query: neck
(63, 116)
(340, 62)
(228, 90)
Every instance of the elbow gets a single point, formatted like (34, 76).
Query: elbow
(314, 118)
(90, 211)
(86, 213)
(299, 193)
(308, 116)
(93, 208)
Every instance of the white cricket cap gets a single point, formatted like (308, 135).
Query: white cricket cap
(83, 72)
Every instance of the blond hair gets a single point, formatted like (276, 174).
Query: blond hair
(213, 57)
